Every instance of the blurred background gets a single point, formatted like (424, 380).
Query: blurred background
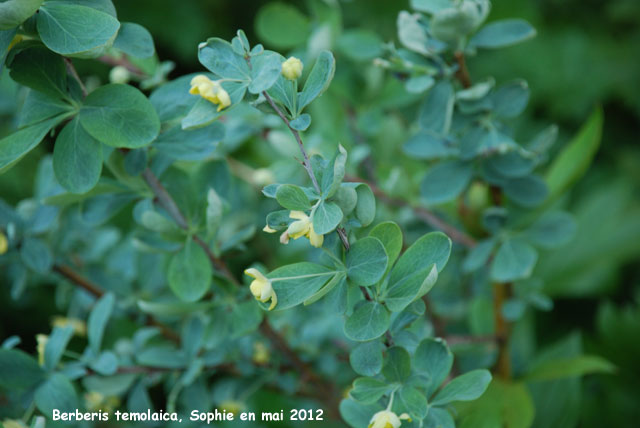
(587, 53)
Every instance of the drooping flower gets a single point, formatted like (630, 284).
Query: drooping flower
(261, 354)
(292, 68)
(387, 419)
(210, 90)
(261, 287)
(4, 244)
(79, 327)
(302, 227)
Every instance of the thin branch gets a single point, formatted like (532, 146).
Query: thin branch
(74, 73)
(426, 215)
(84, 283)
(168, 203)
(463, 72)
(305, 163)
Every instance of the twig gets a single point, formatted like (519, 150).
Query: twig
(501, 293)
(74, 73)
(426, 215)
(306, 163)
(463, 72)
(96, 291)
(168, 203)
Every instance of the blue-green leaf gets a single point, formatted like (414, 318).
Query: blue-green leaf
(297, 282)
(292, 197)
(445, 181)
(368, 321)
(190, 272)
(98, 319)
(135, 40)
(56, 393)
(466, 387)
(366, 261)
(366, 358)
(326, 217)
(56, 345)
(514, 260)
(18, 371)
(318, 80)
(500, 34)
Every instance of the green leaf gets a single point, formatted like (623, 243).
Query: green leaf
(360, 44)
(334, 173)
(479, 255)
(120, 116)
(439, 418)
(105, 364)
(192, 145)
(338, 280)
(297, 282)
(281, 25)
(397, 365)
(390, 235)
(436, 111)
(510, 99)
(265, 71)
(76, 30)
(466, 387)
(15, 12)
(18, 371)
(292, 197)
(430, 6)
(56, 393)
(368, 321)
(528, 191)
(318, 80)
(500, 34)
(39, 106)
(134, 40)
(77, 158)
(55, 347)
(368, 390)
(366, 203)
(98, 319)
(414, 401)
(574, 159)
(326, 217)
(40, 69)
(220, 58)
(190, 272)
(514, 260)
(301, 123)
(6, 38)
(445, 181)
(356, 414)
(417, 269)
(412, 33)
(36, 255)
(566, 367)
(366, 261)
(426, 145)
(366, 358)
(553, 229)
(214, 211)
(433, 358)
(175, 308)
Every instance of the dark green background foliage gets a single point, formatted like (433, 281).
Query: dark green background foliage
(577, 309)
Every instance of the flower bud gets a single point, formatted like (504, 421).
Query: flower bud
(292, 68)
(119, 74)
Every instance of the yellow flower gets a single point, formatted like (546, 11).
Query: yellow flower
(302, 227)
(41, 340)
(292, 68)
(268, 229)
(210, 90)
(231, 406)
(260, 353)
(261, 287)
(387, 419)
(95, 401)
(4, 244)
(79, 327)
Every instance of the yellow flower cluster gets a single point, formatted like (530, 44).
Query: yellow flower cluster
(303, 226)
(79, 327)
(210, 90)
(261, 287)
(387, 419)
(292, 68)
